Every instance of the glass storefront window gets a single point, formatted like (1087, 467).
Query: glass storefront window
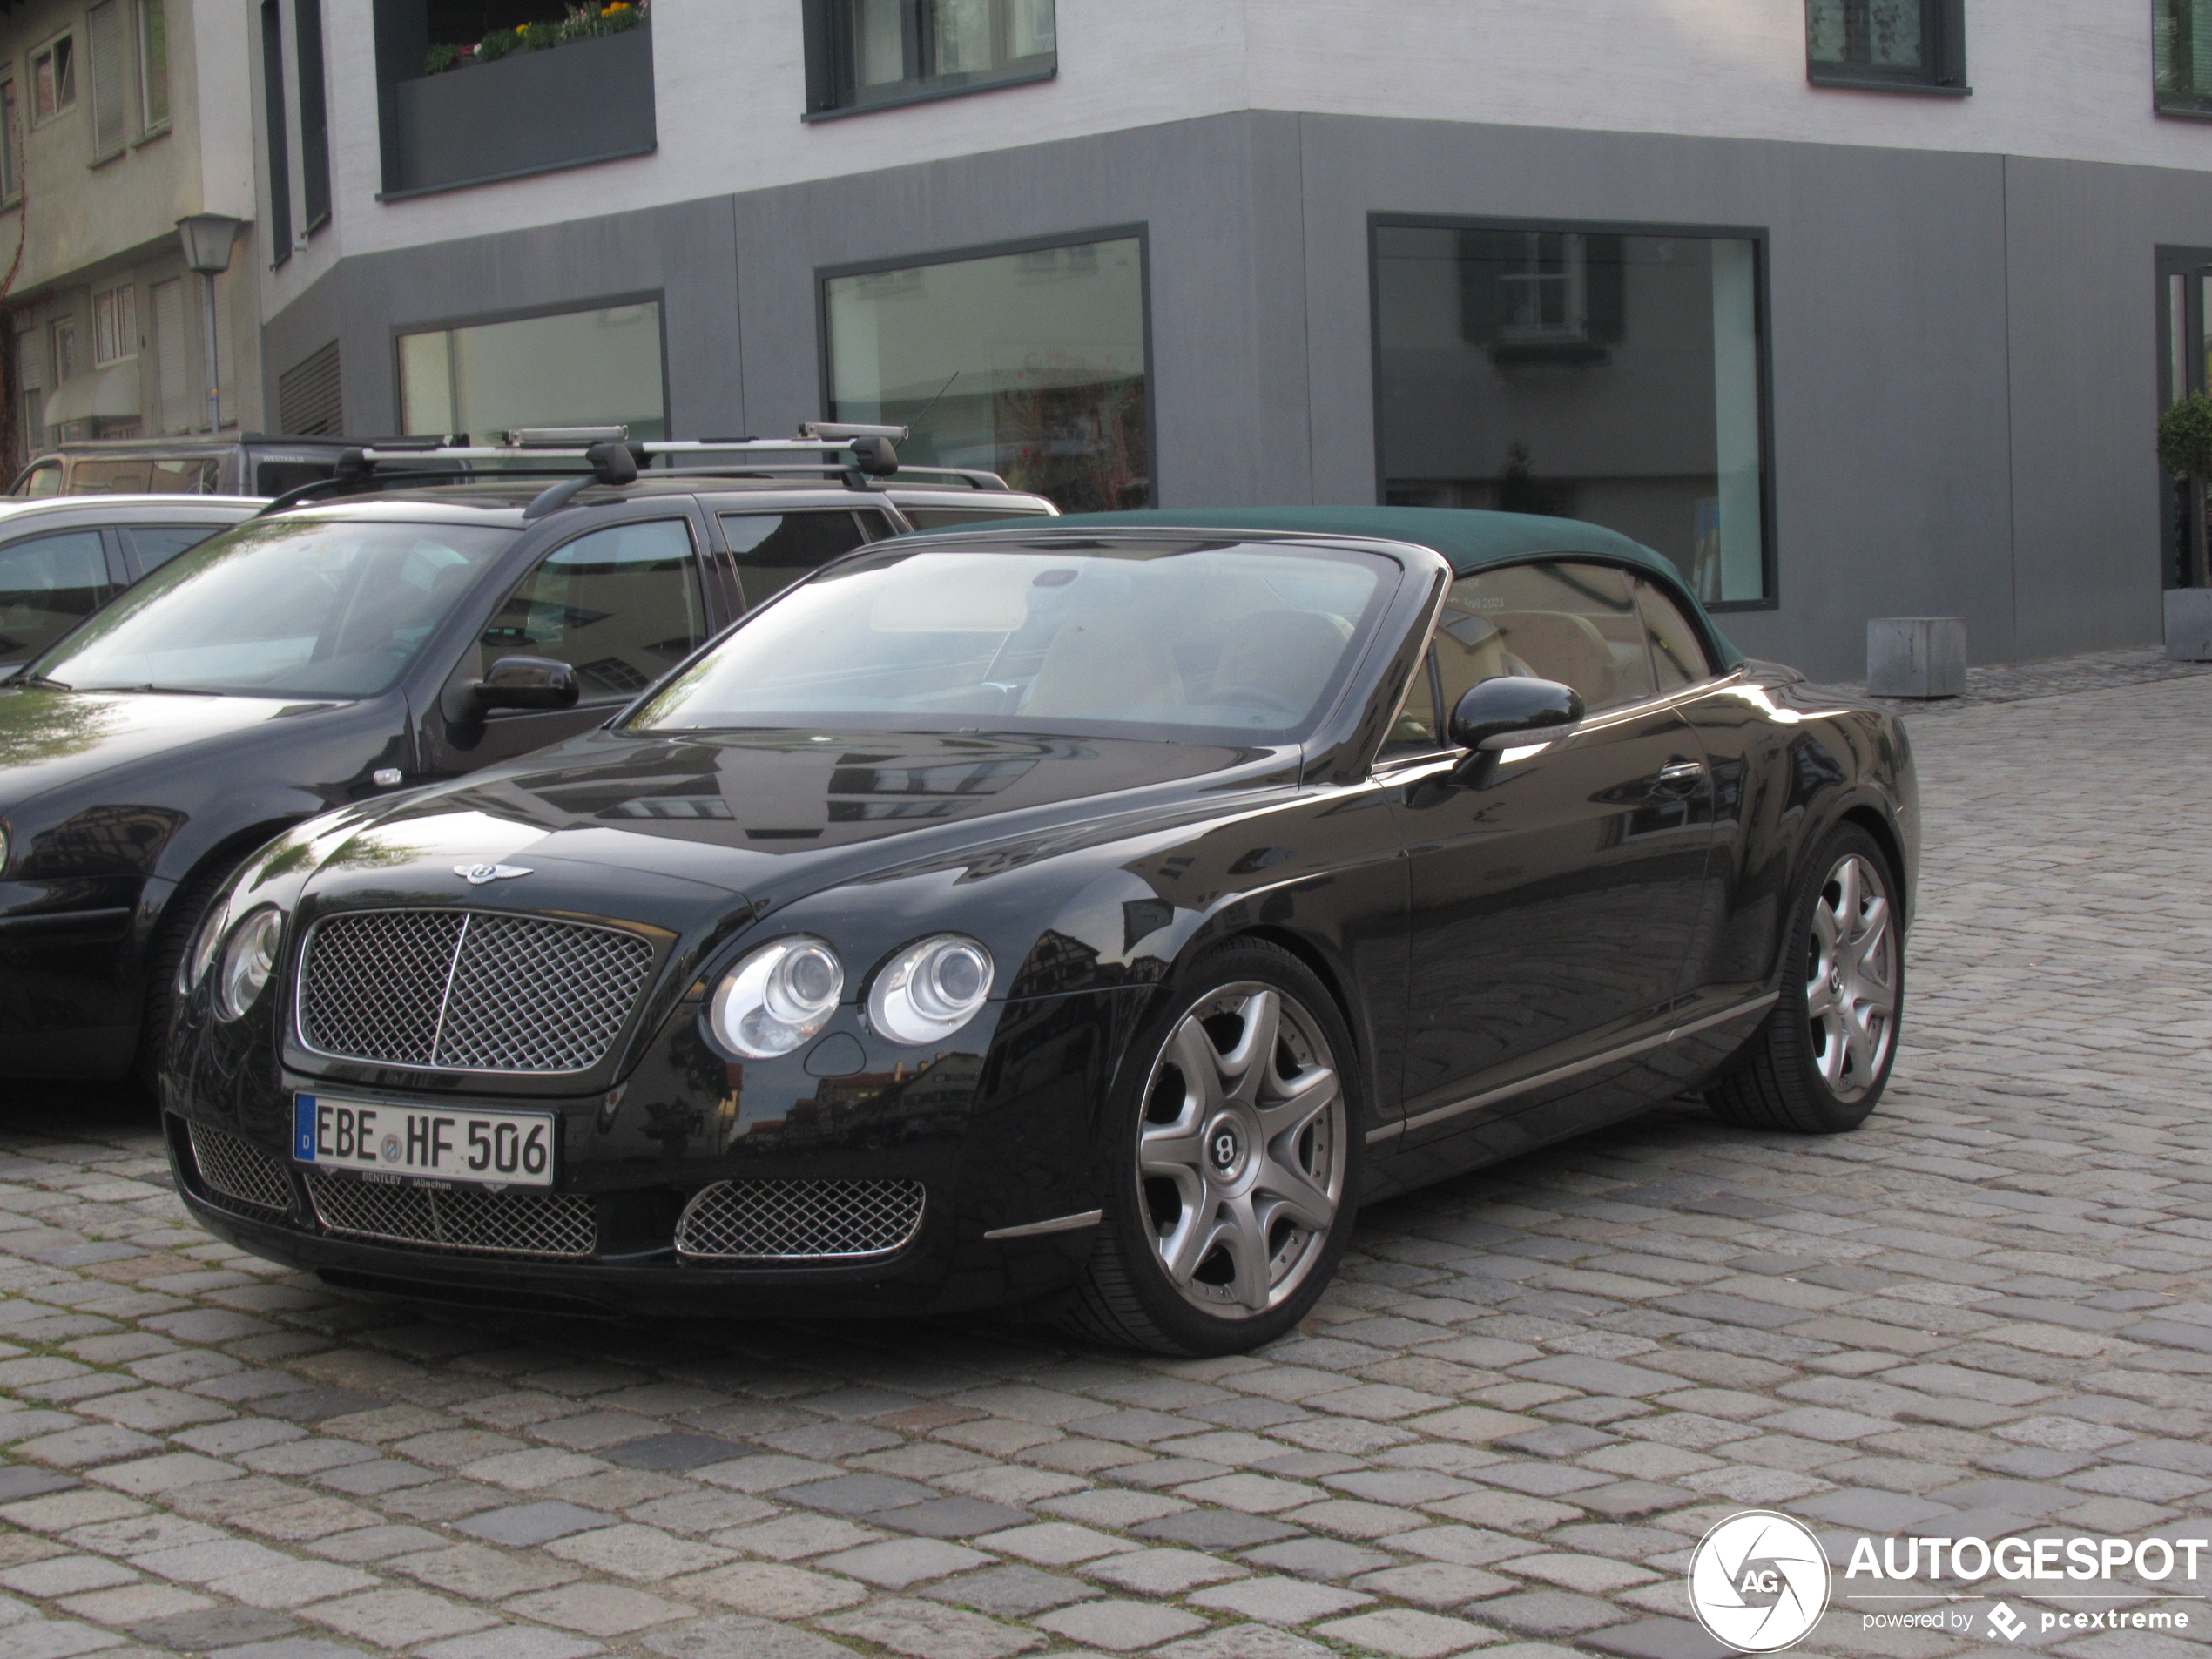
(577, 368)
(1588, 374)
(1030, 364)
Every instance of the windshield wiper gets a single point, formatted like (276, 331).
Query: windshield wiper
(43, 682)
(159, 690)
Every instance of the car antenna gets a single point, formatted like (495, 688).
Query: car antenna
(934, 401)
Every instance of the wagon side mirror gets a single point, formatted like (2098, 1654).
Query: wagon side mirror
(1495, 709)
(527, 683)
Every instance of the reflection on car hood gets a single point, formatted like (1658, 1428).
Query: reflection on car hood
(748, 811)
(51, 738)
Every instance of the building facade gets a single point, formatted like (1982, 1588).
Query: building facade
(120, 117)
(1851, 308)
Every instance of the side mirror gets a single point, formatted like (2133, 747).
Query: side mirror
(527, 683)
(1496, 709)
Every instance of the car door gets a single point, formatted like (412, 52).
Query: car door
(48, 585)
(1554, 893)
(621, 604)
(774, 548)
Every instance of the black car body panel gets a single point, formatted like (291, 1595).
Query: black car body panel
(1523, 948)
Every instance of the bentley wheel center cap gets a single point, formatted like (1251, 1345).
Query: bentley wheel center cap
(1226, 1149)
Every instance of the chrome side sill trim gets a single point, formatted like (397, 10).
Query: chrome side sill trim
(1559, 1073)
(1057, 1224)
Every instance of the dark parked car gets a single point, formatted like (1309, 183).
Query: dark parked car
(60, 560)
(328, 654)
(1084, 916)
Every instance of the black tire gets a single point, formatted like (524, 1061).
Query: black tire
(171, 939)
(1127, 1297)
(1793, 1074)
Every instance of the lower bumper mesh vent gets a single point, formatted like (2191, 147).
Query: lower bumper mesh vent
(458, 1218)
(800, 1220)
(237, 1170)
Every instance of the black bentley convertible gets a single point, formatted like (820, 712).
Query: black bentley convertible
(1084, 917)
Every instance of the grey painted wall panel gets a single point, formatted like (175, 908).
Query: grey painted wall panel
(2085, 395)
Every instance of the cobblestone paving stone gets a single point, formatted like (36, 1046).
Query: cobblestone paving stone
(1530, 1393)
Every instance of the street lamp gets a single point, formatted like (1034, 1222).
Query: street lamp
(207, 238)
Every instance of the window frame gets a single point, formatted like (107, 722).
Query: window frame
(63, 362)
(150, 126)
(1943, 71)
(1762, 326)
(11, 158)
(397, 330)
(831, 95)
(1141, 232)
(64, 41)
(125, 293)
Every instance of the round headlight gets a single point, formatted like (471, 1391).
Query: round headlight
(930, 989)
(776, 997)
(248, 960)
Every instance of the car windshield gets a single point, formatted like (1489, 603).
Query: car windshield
(1247, 643)
(280, 608)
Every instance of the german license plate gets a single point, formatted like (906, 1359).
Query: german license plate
(424, 1142)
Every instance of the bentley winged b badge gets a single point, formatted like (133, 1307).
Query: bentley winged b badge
(477, 874)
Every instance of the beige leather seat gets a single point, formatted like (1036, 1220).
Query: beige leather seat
(1103, 671)
(1560, 645)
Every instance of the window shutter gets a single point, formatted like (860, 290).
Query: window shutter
(173, 374)
(308, 403)
(111, 85)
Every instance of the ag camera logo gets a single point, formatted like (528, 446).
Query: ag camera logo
(1758, 1581)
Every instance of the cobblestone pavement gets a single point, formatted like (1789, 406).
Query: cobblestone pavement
(1530, 1393)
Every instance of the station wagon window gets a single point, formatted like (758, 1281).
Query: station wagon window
(775, 550)
(621, 606)
(49, 584)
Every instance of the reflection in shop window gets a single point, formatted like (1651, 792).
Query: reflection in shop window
(1580, 374)
(598, 368)
(1030, 364)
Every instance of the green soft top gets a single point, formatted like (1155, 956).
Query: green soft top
(1472, 541)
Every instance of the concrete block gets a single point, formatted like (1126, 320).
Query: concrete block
(2189, 624)
(1916, 656)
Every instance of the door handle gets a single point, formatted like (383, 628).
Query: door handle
(1681, 773)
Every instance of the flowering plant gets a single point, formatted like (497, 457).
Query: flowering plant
(587, 22)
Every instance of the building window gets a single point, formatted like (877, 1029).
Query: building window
(2182, 57)
(30, 379)
(53, 78)
(1887, 45)
(601, 368)
(153, 64)
(64, 335)
(314, 113)
(104, 35)
(278, 135)
(115, 324)
(863, 54)
(1607, 375)
(10, 151)
(1030, 364)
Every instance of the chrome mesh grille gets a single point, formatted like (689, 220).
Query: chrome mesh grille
(458, 1218)
(467, 990)
(800, 1220)
(237, 1169)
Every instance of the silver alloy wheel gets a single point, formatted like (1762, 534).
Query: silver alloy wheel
(1851, 978)
(1240, 1154)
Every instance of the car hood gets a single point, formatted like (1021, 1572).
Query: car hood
(761, 814)
(51, 740)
